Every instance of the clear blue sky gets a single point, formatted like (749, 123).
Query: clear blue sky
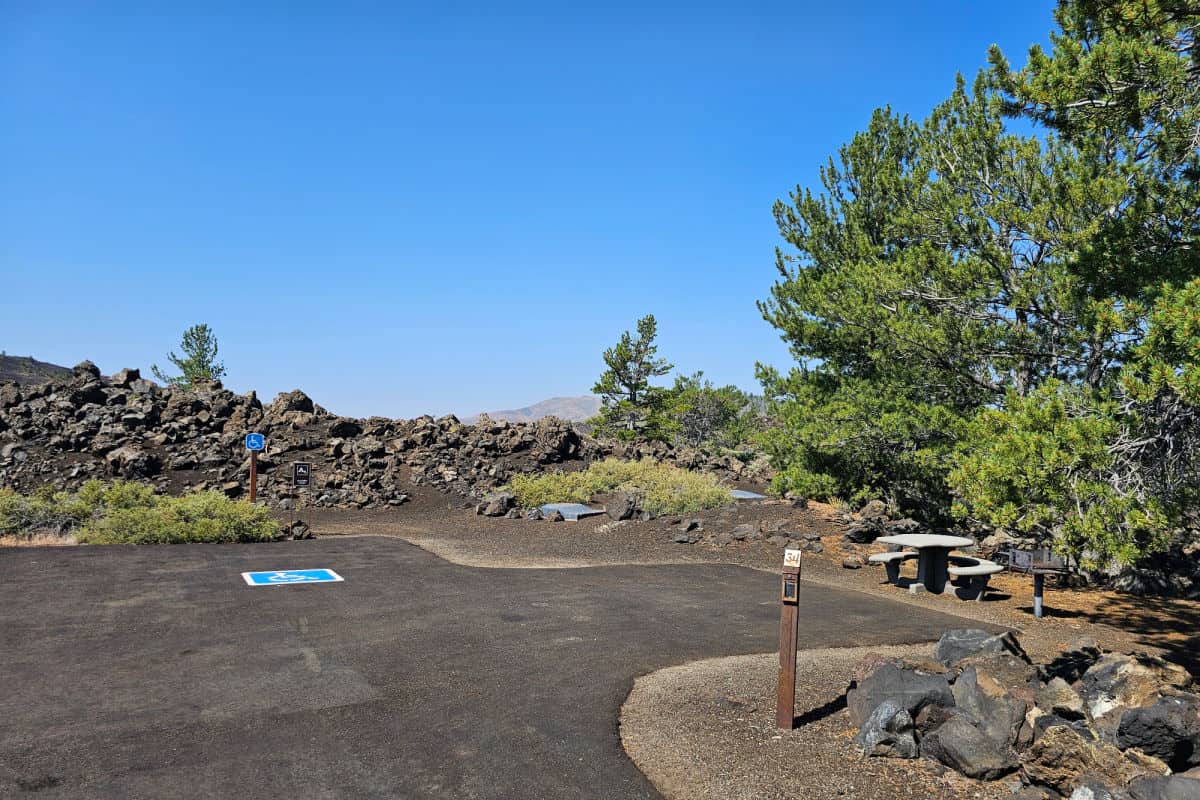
(409, 208)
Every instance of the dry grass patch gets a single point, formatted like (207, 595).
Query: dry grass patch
(663, 488)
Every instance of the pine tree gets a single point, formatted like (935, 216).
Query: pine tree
(631, 405)
(1007, 321)
(199, 362)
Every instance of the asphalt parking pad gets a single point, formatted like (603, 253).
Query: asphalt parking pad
(158, 672)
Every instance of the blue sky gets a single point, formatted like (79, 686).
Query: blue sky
(430, 208)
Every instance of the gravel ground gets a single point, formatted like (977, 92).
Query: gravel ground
(707, 730)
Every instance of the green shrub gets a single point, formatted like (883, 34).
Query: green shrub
(46, 511)
(115, 495)
(203, 517)
(127, 512)
(664, 489)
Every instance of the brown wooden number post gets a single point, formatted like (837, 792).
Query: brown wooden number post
(789, 623)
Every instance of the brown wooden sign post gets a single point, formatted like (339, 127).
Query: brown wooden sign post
(253, 475)
(254, 443)
(789, 624)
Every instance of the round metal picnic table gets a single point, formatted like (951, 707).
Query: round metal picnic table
(933, 551)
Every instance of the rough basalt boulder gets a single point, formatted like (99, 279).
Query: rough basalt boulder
(1060, 698)
(132, 462)
(1168, 730)
(909, 689)
(888, 732)
(998, 713)
(955, 645)
(1173, 787)
(1005, 713)
(1061, 757)
(496, 505)
(1128, 681)
(624, 505)
(962, 743)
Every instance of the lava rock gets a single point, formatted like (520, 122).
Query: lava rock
(345, 429)
(998, 713)
(888, 732)
(1174, 787)
(1169, 730)
(746, 531)
(1059, 698)
(962, 744)
(1124, 681)
(624, 505)
(863, 532)
(956, 645)
(132, 462)
(124, 378)
(296, 530)
(1061, 757)
(1092, 789)
(910, 689)
(497, 505)
(85, 371)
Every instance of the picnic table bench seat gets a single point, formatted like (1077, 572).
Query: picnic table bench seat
(979, 567)
(978, 570)
(892, 562)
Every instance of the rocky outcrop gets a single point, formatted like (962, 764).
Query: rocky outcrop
(1086, 725)
(85, 426)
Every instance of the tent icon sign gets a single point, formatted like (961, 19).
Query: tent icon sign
(301, 473)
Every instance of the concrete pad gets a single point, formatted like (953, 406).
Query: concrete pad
(571, 511)
(153, 672)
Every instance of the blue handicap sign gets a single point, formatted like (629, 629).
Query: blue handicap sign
(254, 441)
(281, 576)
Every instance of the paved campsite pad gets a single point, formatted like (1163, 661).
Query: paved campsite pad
(157, 672)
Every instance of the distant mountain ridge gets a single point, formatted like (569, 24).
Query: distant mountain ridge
(571, 409)
(28, 370)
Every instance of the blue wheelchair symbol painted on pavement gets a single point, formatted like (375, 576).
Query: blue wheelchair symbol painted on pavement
(254, 441)
(282, 576)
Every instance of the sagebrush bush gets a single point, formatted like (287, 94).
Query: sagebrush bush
(664, 489)
(45, 511)
(127, 512)
(204, 517)
(118, 494)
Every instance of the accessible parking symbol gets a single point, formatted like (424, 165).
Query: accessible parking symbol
(288, 576)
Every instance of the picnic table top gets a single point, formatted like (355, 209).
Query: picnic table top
(921, 540)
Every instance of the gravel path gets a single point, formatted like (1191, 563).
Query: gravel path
(707, 730)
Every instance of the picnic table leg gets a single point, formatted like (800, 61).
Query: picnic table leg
(1039, 586)
(933, 563)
